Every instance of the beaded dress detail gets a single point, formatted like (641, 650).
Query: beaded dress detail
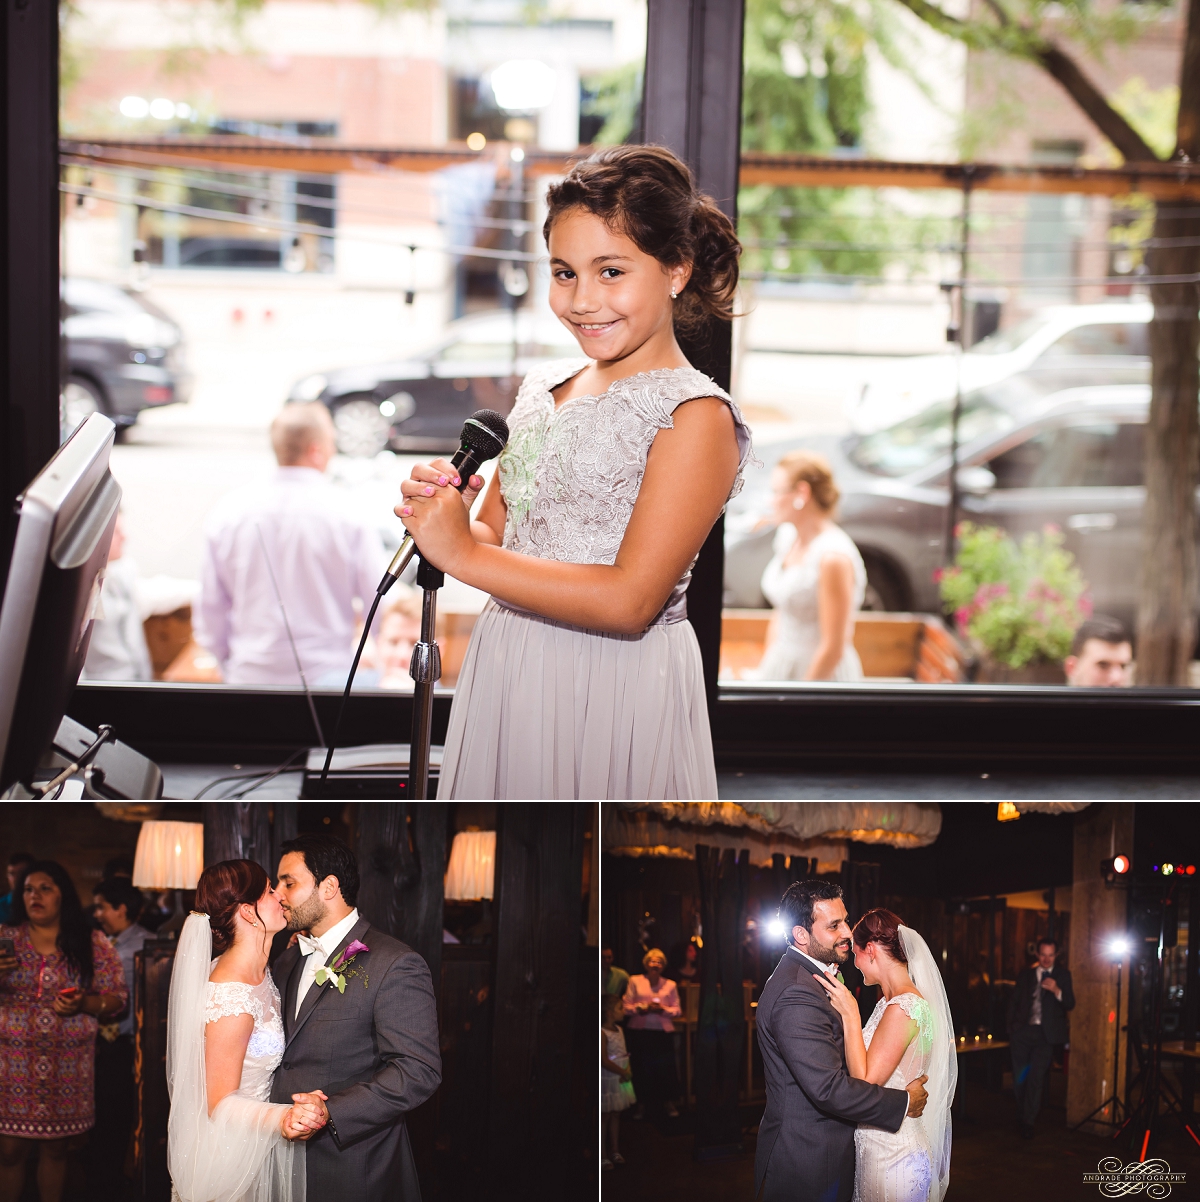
(543, 709)
(265, 1050)
(896, 1167)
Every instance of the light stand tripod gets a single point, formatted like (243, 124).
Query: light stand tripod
(1113, 1099)
(425, 668)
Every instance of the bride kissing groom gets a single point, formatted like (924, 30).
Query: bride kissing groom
(274, 1097)
(853, 1112)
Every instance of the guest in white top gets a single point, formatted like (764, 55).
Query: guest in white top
(289, 547)
(816, 580)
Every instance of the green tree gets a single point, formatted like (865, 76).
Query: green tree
(804, 88)
(1051, 34)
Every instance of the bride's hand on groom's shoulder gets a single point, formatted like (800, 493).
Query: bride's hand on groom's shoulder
(843, 1000)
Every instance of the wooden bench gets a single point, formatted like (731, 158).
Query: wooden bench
(891, 646)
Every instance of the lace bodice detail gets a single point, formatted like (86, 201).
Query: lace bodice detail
(916, 1056)
(265, 1050)
(570, 475)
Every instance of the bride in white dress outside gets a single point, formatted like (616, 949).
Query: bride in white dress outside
(909, 1033)
(225, 1141)
(816, 580)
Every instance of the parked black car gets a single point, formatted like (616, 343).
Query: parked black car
(124, 354)
(419, 403)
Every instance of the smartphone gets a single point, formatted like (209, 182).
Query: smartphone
(7, 947)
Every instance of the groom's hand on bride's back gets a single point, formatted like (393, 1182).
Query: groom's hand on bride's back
(917, 1097)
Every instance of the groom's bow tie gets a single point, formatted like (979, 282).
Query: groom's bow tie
(308, 944)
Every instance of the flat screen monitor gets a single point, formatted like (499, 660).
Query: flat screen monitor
(52, 595)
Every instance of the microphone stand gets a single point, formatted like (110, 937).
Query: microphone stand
(425, 668)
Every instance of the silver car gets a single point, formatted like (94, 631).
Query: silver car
(1073, 460)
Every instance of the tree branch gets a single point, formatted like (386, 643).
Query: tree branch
(1018, 42)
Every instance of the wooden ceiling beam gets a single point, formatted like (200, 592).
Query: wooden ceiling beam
(1163, 181)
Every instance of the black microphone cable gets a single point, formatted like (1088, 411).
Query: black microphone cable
(484, 435)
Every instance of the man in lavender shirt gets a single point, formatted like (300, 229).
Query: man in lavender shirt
(288, 555)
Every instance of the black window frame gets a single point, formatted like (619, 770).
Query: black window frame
(691, 103)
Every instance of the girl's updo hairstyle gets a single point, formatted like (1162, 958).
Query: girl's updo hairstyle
(647, 194)
(221, 889)
(815, 471)
(881, 927)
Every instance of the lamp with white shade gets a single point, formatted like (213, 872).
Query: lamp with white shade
(170, 855)
(471, 875)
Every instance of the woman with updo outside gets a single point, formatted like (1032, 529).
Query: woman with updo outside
(61, 977)
(582, 678)
(224, 1042)
(816, 580)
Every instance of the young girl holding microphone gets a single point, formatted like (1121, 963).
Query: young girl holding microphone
(583, 679)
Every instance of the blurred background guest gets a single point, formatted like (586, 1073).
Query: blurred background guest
(651, 1001)
(687, 963)
(616, 1088)
(1101, 655)
(57, 977)
(816, 580)
(18, 864)
(614, 980)
(118, 905)
(1037, 1023)
(389, 660)
(118, 648)
(290, 546)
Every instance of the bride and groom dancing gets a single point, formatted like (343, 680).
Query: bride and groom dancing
(275, 1098)
(853, 1112)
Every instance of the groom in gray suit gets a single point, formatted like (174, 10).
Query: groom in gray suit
(367, 1053)
(806, 1137)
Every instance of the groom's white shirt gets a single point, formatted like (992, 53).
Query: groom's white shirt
(317, 951)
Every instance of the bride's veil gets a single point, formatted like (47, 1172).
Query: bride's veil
(237, 1153)
(943, 1061)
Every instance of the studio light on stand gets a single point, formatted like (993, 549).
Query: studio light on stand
(170, 855)
(1118, 948)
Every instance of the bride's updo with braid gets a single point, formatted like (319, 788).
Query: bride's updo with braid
(648, 194)
(882, 928)
(221, 889)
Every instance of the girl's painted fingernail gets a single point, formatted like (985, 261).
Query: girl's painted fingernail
(407, 511)
(476, 481)
(457, 481)
(442, 480)
(429, 490)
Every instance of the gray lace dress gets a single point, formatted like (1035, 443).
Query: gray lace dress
(546, 710)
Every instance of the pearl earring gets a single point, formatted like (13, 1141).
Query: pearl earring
(798, 503)
(674, 294)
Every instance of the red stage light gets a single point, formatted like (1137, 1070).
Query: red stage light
(1191, 870)
(1120, 864)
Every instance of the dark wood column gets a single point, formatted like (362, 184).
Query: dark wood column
(238, 830)
(29, 307)
(720, 1033)
(401, 864)
(539, 879)
(693, 104)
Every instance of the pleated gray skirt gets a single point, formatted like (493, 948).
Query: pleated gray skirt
(547, 711)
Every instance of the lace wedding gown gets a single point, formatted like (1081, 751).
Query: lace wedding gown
(543, 709)
(897, 1167)
(238, 1152)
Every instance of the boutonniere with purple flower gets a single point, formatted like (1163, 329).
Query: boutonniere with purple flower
(341, 970)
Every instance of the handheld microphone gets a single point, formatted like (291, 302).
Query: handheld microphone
(484, 435)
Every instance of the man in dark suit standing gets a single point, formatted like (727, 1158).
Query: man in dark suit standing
(360, 1022)
(1037, 1021)
(806, 1137)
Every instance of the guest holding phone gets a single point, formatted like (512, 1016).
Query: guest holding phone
(651, 1002)
(57, 977)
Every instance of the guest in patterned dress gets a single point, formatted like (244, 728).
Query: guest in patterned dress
(583, 678)
(61, 979)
